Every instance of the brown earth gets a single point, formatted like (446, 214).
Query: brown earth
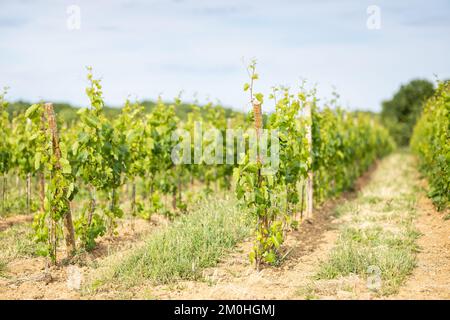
(35, 278)
(431, 278)
(306, 249)
(6, 223)
(234, 277)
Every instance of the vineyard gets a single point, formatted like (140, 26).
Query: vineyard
(431, 142)
(184, 193)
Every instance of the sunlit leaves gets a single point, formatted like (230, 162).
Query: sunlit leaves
(431, 142)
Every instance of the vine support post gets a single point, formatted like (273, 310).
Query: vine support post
(174, 198)
(179, 188)
(41, 175)
(3, 192)
(5, 189)
(69, 233)
(93, 203)
(302, 202)
(133, 197)
(310, 177)
(112, 204)
(151, 188)
(144, 187)
(257, 112)
(28, 192)
(133, 202)
(18, 185)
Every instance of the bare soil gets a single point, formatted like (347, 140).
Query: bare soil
(6, 223)
(431, 277)
(234, 277)
(35, 278)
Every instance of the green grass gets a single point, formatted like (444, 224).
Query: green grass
(380, 233)
(344, 208)
(308, 292)
(16, 205)
(357, 250)
(3, 265)
(370, 199)
(180, 251)
(15, 242)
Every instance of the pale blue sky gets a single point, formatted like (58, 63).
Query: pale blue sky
(145, 48)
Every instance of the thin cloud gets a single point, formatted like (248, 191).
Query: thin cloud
(148, 47)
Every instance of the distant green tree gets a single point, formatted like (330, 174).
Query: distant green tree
(67, 113)
(400, 113)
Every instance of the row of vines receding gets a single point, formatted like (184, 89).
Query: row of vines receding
(431, 142)
(323, 150)
(81, 178)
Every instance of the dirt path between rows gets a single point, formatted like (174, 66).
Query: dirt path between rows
(431, 277)
(33, 278)
(235, 278)
(308, 248)
(6, 223)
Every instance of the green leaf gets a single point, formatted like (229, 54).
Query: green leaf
(270, 257)
(37, 160)
(31, 110)
(259, 97)
(65, 166)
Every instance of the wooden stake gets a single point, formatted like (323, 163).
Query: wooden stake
(309, 181)
(18, 185)
(41, 190)
(3, 192)
(174, 199)
(257, 113)
(302, 203)
(41, 175)
(258, 117)
(133, 197)
(93, 203)
(69, 233)
(28, 192)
